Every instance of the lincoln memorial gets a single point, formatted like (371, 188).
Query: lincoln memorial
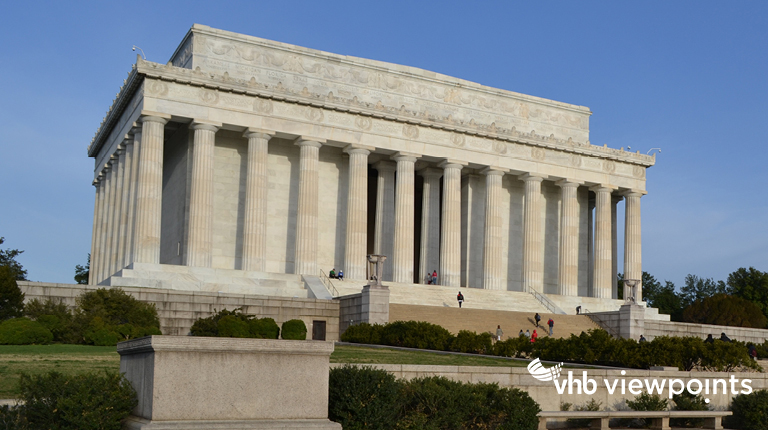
(245, 165)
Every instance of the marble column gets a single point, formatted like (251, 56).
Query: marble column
(307, 213)
(402, 261)
(150, 189)
(110, 229)
(450, 228)
(256, 190)
(130, 242)
(533, 234)
(615, 199)
(429, 254)
(355, 260)
(602, 276)
(101, 266)
(590, 244)
(492, 250)
(632, 241)
(383, 240)
(117, 221)
(126, 198)
(568, 261)
(200, 233)
(95, 236)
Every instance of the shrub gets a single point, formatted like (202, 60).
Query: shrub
(294, 330)
(10, 418)
(750, 411)
(469, 341)
(107, 315)
(648, 402)
(86, 401)
(23, 331)
(232, 326)
(55, 316)
(416, 334)
(264, 328)
(687, 401)
(363, 333)
(363, 398)
(592, 405)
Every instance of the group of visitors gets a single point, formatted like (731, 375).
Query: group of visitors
(550, 323)
(431, 278)
(333, 275)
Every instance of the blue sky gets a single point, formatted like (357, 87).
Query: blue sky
(690, 77)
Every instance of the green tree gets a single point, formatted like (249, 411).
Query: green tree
(696, 288)
(11, 297)
(8, 259)
(722, 309)
(750, 284)
(82, 273)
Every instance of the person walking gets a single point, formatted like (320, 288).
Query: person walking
(434, 277)
(550, 323)
(460, 298)
(534, 336)
(537, 317)
(499, 333)
(578, 310)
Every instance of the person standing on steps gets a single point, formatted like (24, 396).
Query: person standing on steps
(578, 310)
(550, 323)
(499, 333)
(434, 277)
(534, 336)
(460, 298)
(537, 317)
(528, 334)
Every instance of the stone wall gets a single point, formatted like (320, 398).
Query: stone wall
(179, 309)
(547, 396)
(350, 311)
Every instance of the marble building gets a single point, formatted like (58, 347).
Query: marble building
(244, 163)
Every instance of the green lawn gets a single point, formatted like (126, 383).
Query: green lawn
(72, 359)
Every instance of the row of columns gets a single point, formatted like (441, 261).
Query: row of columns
(129, 197)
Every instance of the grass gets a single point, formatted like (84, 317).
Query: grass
(74, 359)
(39, 359)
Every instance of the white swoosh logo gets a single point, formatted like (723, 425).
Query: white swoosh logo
(542, 373)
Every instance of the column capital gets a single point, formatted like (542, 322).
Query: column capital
(532, 177)
(450, 163)
(633, 193)
(201, 124)
(135, 129)
(258, 133)
(430, 172)
(309, 141)
(494, 171)
(603, 188)
(149, 116)
(405, 156)
(385, 166)
(565, 183)
(355, 148)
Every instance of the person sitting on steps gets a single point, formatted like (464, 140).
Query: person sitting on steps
(340, 277)
(332, 273)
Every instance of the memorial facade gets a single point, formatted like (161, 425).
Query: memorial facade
(248, 158)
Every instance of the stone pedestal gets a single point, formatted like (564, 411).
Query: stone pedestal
(186, 382)
(375, 309)
(631, 321)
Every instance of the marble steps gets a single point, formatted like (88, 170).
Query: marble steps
(440, 296)
(454, 319)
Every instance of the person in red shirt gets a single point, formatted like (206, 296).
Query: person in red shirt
(534, 336)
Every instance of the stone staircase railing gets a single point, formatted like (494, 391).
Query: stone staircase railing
(328, 284)
(598, 319)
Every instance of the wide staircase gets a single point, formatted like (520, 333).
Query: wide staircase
(481, 320)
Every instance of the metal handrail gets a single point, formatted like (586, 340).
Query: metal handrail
(544, 300)
(328, 284)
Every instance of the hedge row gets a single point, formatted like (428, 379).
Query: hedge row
(372, 399)
(102, 317)
(55, 401)
(235, 323)
(594, 347)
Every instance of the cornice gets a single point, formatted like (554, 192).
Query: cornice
(223, 82)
